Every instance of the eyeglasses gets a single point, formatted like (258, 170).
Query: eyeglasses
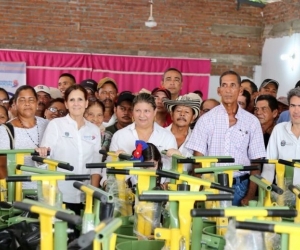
(60, 112)
(4, 101)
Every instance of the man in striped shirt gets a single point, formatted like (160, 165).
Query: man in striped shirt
(228, 130)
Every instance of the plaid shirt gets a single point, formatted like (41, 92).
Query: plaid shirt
(243, 141)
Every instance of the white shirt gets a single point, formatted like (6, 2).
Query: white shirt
(124, 139)
(183, 150)
(111, 121)
(283, 144)
(25, 139)
(74, 146)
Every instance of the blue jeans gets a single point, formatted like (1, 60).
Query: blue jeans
(240, 191)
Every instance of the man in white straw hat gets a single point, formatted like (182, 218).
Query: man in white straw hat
(184, 110)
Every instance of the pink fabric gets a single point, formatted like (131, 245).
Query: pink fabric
(130, 72)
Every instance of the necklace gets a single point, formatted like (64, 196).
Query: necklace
(38, 134)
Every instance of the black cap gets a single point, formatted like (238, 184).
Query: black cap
(89, 84)
(125, 96)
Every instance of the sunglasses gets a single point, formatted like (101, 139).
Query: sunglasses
(60, 112)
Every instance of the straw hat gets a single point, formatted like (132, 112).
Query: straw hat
(191, 100)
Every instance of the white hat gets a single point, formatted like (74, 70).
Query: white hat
(55, 93)
(42, 88)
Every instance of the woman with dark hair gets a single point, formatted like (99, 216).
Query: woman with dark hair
(143, 128)
(94, 114)
(75, 140)
(147, 152)
(55, 109)
(28, 128)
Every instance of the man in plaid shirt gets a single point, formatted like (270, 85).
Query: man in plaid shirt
(228, 130)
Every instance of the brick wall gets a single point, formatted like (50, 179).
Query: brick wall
(191, 28)
(283, 11)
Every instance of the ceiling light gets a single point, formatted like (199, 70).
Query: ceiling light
(150, 22)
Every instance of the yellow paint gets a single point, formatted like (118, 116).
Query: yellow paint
(20, 158)
(280, 170)
(112, 243)
(18, 188)
(3, 190)
(89, 199)
(47, 177)
(296, 192)
(46, 232)
(185, 219)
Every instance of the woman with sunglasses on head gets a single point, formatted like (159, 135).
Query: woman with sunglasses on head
(55, 109)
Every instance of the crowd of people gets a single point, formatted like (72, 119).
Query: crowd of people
(74, 121)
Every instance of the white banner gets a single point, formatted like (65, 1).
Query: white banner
(12, 76)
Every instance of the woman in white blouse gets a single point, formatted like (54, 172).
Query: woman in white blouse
(28, 128)
(143, 128)
(75, 140)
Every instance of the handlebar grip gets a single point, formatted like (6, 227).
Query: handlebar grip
(125, 157)
(70, 218)
(166, 174)
(18, 178)
(78, 185)
(277, 189)
(96, 165)
(260, 161)
(153, 198)
(255, 226)
(221, 213)
(79, 177)
(226, 160)
(222, 188)
(219, 197)
(96, 194)
(207, 212)
(282, 213)
(103, 152)
(143, 164)
(117, 171)
(37, 158)
(65, 166)
(289, 163)
(22, 205)
(186, 160)
(250, 168)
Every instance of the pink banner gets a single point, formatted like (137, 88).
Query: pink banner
(130, 72)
